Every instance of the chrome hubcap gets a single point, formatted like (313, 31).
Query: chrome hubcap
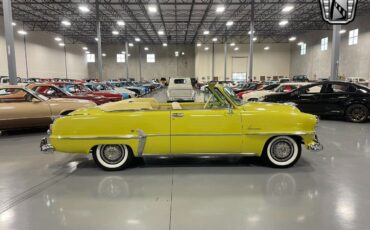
(357, 114)
(282, 150)
(112, 154)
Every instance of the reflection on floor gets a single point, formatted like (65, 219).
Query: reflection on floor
(326, 190)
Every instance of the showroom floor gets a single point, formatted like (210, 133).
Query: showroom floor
(325, 190)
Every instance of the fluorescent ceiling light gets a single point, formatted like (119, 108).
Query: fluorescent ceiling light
(87, 52)
(146, 48)
(206, 32)
(300, 43)
(283, 22)
(14, 24)
(83, 8)
(267, 48)
(229, 23)
(176, 53)
(214, 39)
(182, 53)
(254, 38)
(342, 31)
(292, 39)
(84, 48)
(152, 9)
(22, 32)
(103, 54)
(120, 23)
(66, 23)
(137, 39)
(249, 32)
(236, 48)
(160, 32)
(96, 39)
(164, 44)
(115, 32)
(58, 39)
(206, 48)
(61, 44)
(287, 8)
(131, 44)
(232, 44)
(199, 44)
(220, 9)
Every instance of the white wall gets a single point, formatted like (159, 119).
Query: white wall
(354, 60)
(45, 58)
(268, 63)
(166, 64)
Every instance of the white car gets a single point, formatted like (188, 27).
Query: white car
(285, 87)
(180, 89)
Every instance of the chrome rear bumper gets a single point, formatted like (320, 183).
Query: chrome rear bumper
(45, 146)
(316, 146)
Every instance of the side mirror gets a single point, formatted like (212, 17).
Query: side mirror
(35, 100)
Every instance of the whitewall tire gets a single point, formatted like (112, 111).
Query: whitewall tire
(112, 157)
(282, 152)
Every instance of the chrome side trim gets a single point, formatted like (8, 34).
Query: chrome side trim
(201, 155)
(142, 140)
(175, 135)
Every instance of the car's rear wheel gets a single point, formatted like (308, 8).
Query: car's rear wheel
(357, 113)
(112, 157)
(282, 152)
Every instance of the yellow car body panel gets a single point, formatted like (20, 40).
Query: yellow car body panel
(152, 128)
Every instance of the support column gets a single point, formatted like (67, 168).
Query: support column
(225, 55)
(140, 64)
(65, 58)
(213, 60)
(335, 51)
(25, 54)
(250, 66)
(9, 37)
(126, 59)
(100, 60)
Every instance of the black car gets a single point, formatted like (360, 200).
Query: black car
(334, 98)
(300, 78)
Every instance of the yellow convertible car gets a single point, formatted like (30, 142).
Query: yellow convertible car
(117, 132)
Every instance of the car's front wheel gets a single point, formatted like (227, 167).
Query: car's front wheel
(282, 152)
(112, 157)
(357, 113)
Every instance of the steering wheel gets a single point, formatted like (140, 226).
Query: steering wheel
(28, 97)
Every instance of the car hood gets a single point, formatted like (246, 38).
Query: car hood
(270, 107)
(70, 101)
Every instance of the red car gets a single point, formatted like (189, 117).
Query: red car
(53, 91)
(80, 89)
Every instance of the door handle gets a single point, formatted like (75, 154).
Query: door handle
(177, 115)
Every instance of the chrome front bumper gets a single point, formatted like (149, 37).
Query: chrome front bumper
(315, 145)
(45, 146)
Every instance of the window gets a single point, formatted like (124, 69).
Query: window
(324, 44)
(340, 88)
(121, 58)
(353, 37)
(239, 77)
(150, 58)
(311, 89)
(179, 81)
(90, 58)
(303, 48)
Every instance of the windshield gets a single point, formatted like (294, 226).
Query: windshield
(230, 93)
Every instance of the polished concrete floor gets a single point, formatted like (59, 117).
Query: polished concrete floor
(325, 190)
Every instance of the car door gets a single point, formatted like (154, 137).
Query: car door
(205, 131)
(335, 96)
(308, 98)
(20, 109)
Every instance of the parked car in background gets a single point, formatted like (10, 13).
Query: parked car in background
(284, 80)
(80, 89)
(359, 80)
(52, 91)
(135, 88)
(104, 87)
(285, 87)
(334, 98)
(180, 89)
(266, 88)
(23, 108)
(300, 78)
(248, 87)
(221, 124)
